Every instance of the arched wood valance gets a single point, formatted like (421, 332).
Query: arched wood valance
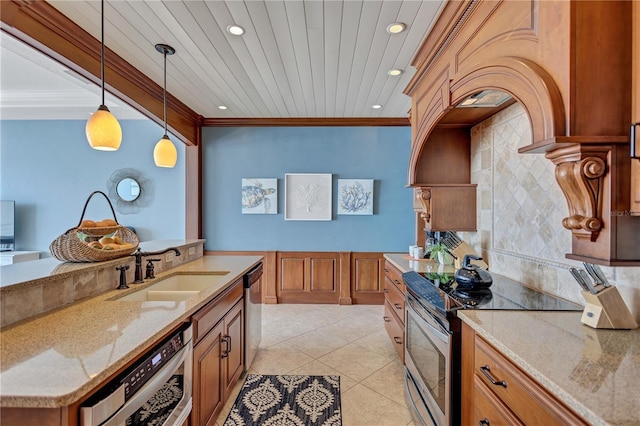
(527, 82)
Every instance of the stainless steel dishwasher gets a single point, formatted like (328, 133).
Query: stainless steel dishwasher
(155, 390)
(252, 314)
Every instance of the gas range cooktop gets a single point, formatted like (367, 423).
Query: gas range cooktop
(504, 294)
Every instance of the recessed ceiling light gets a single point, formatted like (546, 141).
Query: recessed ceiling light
(395, 72)
(376, 106)
(235, 29)
(396, 27)
(222, 107)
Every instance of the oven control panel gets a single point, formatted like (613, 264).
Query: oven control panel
(147, 367)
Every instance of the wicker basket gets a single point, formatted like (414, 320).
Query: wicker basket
(69, 247)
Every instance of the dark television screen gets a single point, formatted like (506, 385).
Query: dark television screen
(7, 225)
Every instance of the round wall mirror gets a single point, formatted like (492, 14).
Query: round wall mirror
(128, 189)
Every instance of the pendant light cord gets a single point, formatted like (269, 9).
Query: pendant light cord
(102, 53)
(165, 92)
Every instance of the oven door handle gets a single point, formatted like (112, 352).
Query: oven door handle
(440, 330)
(144, 393)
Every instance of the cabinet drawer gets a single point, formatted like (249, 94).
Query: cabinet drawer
(395, 329)
(394, 298)
(525, 397)
(487, 408)
(207, 317)
(394, 275)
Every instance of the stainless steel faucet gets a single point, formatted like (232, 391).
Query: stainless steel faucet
(139, 254)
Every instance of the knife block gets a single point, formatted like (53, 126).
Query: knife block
(606, 309)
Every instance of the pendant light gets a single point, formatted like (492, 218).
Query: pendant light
(165, 153)
(102, 129)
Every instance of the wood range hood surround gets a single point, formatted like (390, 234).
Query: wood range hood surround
(569, 64)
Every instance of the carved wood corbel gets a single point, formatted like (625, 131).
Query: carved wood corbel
(423, 195)
(580, 172)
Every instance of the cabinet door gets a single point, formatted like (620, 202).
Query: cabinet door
(233, 363)
(395, 330)
(448, 207)
(208, 390)
(367, 279)
(308, 277)
(488, 410)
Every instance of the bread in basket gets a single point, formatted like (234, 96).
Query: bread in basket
(78, 244)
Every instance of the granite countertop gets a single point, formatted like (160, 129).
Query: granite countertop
(405, 263)
(595, 372)
(57, 358)
(26, 273)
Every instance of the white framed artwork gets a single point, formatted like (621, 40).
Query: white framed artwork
(355, 196)
(259, 196)
(307, 196)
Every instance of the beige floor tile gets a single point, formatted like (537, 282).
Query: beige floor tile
(317, 343)
(270, 339)
(355, 362)
(316, 368)
(378, 342)
(388, 381)
(362, 406)
(350, 329)
(279, 359)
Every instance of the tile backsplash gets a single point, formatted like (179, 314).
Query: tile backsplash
(520, 212)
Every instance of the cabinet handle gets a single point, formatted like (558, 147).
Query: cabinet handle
(484, 422)
(386, 290)
(397, 306)
(386, 270)
(386, 319)
(397, 340)
(227, 341)
(397, 282)
(486, 371)
(635, 149)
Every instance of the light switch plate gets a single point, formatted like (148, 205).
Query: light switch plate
(192, 251)
(169, 257)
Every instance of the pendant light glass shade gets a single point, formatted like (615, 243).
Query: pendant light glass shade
(165, 153)
(103, 130)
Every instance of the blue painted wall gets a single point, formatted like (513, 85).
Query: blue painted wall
(48, 168)
(379, 153)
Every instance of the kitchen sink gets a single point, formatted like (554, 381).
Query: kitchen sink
(173, 288)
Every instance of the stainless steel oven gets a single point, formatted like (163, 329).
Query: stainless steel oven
(155, 390)
(431, 375)
(433, 341)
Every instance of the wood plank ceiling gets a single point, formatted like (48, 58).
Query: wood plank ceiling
(297, 58)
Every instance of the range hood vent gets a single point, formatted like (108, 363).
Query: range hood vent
(485, 99)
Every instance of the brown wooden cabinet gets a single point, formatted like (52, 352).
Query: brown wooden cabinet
(496, 391)
(218, 354)
(394, 293)
(367, 278)
(444, 195)
(635, 109)
(448, 207)
(305, 277)
(531, 50)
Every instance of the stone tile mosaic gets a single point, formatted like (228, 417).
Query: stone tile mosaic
(520, 212)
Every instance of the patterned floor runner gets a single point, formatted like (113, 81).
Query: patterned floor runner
(287, 400)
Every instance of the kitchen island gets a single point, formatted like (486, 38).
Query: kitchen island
(53, 360)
